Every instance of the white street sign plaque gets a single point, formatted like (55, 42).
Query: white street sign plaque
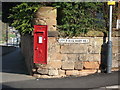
(73, 40)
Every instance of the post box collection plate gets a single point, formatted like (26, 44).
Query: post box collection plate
(40, 44)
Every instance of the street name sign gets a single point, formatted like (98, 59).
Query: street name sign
(73, 40)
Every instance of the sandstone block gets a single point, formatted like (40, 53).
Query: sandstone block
(115, 63)
(94, 49)
(74, 48)
(78, 65)
(52, 40)
(116, 49)
(116, 56)
(72, 72)
(52, 28)
(42, 71)
(36, 75)
(56, 56)
(89, 57)
(97, 49)
(55, 64)
(91, 49)
(82, 57)
(87, 72)
(91, 65)
(98, 41)
(91, 41)
(46, 12)
(115, 69)
(64, 57)
(116, 41)
(53, 72)
(51, 22)
(38, 21)
(61, 72)
(50, 64)
(53, 48)
(96, 57)
(66, 65)
(72, 57)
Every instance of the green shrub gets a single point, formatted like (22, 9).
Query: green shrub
(77, 18)
(74, 18)
(22, 16)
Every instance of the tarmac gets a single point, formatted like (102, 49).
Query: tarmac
(15, 76)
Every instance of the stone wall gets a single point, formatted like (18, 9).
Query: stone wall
(77, 59)
(69, 59)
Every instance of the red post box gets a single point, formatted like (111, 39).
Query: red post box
(40, 44)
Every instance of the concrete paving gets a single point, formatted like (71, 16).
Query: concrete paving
(15, 76)
(13, 67)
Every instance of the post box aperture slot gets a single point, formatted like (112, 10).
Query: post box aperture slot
(40, 39)
(39, 32)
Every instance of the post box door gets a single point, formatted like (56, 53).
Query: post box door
(40, 45)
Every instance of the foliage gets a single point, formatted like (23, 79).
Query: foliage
(80, 17)
(74, 18)
(22, 16)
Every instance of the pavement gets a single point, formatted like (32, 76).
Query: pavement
(15, 76)
(14, 68)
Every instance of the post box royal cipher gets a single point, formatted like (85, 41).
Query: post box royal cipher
(40, 44)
